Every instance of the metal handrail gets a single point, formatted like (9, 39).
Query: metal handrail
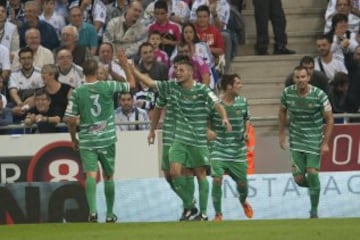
(346, 116)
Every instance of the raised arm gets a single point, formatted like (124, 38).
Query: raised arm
(124, 63)
(142, 77)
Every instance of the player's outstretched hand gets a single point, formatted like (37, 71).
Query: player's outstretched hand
(123, 60)
(151, 137)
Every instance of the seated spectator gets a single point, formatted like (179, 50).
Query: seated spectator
(5, 112)
(126, 32)
(58, 92)
(42, 55)
(102, 74)
(145, 98)
(15, 12)
(69, 72)
(49, 38)
(317, 78)
(342, 39)
(178, 12)
(128, 112)
(201, 69)
(338, 93)
(170, 32)
(160, 56)
(343, 7)
(87, 32)
(69, 40)
(106, 59)
(352, 62)
(23, 83)
(10, 35)
(116, 9)
(208, 33)
(51, 17)
(326, 62)
(42, 115)
(219, 17)
(4, 68)
(149, 65)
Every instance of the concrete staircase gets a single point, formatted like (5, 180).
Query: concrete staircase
(264, 76)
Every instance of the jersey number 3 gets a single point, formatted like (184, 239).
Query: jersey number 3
(96, 108)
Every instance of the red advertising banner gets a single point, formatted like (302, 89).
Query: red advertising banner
(344, 152)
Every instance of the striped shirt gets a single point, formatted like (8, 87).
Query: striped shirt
(230, 146)
(305, 118)
(94, 103)
(191, 110)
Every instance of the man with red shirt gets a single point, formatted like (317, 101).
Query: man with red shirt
(207, 32)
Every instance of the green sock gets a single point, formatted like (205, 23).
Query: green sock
(314, 190)
(90, 190)
(179, 187)
(190, 187)
(109, 196)
(203, 195)
(216, 196)
(243, 193)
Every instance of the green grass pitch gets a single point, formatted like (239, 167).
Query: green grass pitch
(292, 229)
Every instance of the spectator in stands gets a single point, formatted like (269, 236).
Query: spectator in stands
(69, 72)
(342, 39)
(23, 83)
(51, 17)
(127, 32)
(326, 62)
(208, 33)
(4, 68)
(201, 71)
(116, 9)
(145, 98)
(338, 93)
(58, 92)
(178, 12)
(87, 32)
(69, 40)
(94, 12)
(317, 78)
(219, 17)
(155, 40)
(352, 62)
(15, 12)
(5, 113)
(149, 65)
(106, 56)
(128, 112)
(45, 117)
(272, 10)
(9, 36)
(343, 7)
(102, 74)
(170, 32)
(42, 55)
(48, 34)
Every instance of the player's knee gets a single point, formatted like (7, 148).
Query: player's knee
(217, 181)
(242, 184)
(299, 179)
(108, 178)
(311, 170)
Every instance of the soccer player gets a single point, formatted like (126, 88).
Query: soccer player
(306, 106)
(192, 101)
(167, 139)
(228, 150)
(93, 103)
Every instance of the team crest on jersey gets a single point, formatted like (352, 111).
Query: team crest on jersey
(311, 105)
(238, 112)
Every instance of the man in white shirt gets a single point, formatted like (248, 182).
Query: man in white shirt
(69, 72)
(128, 112)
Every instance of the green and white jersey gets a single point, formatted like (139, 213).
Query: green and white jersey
(168, 129)
(94, 104)
(305, 118)
(230, 146)
(190, 110)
